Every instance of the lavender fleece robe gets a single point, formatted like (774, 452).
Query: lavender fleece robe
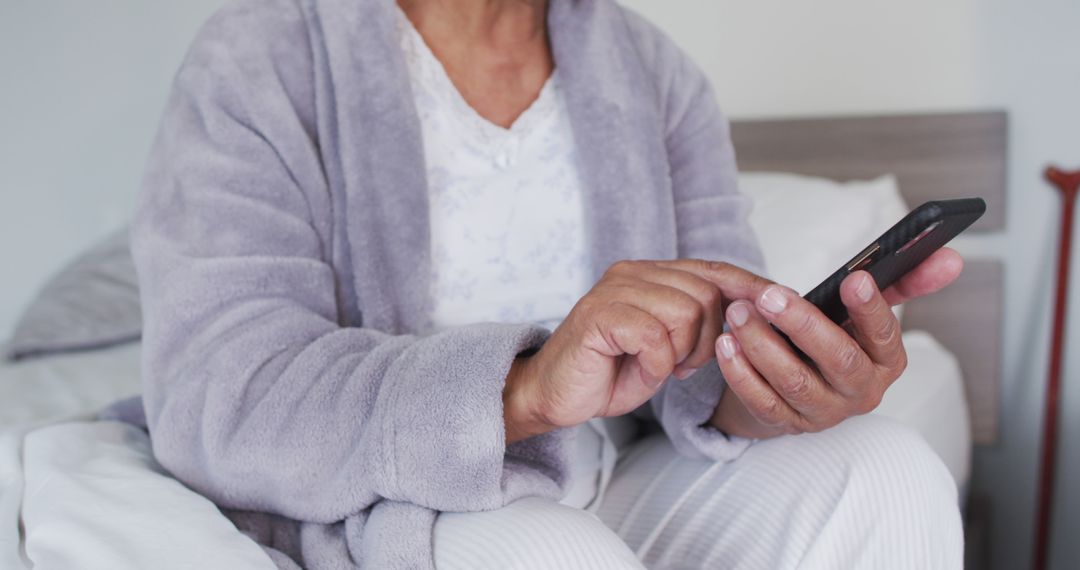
(282, 245)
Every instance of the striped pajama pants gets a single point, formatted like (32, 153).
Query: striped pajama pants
(868, 493)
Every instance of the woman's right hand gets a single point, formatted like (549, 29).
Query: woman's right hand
(641, 323)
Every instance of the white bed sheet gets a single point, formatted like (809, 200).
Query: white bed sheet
(90, 494)
(40, 389)
(929, 397)
(95, 498)
(40, 392)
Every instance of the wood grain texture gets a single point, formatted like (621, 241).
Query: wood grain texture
(934, 156)
(966, 318)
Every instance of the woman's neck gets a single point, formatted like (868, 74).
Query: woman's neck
(495, 52)
(500, 24)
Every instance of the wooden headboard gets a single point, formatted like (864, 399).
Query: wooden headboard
(933, 156)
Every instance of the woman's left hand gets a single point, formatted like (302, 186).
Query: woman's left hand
(772, 391)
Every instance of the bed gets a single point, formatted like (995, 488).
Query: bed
(75, 492)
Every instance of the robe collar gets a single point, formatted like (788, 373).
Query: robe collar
(616, 121)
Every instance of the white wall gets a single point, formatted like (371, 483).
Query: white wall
(857, 56)
(828, 56)
(81, 85)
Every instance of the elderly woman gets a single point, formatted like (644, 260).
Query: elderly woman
(383, 254)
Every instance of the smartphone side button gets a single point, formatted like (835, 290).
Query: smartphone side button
(864, 258)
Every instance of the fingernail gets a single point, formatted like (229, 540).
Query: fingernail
(726, 346)
(773, 300)
(865, 290)
(737, 314)
(651, 382)
(684, 374)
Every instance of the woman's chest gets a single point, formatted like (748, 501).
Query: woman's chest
(506, 211)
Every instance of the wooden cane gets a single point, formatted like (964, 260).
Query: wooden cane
(1068, 183)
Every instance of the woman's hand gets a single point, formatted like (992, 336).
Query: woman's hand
(773, 391)
(641, 323)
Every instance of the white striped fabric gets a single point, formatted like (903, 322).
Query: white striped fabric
(530, 534)
(868, 493)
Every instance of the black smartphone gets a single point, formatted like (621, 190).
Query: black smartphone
(905, 245)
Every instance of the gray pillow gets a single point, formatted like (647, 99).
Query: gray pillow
(92, 302)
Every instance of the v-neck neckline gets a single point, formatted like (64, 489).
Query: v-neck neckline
(604, 87)
(419, 52)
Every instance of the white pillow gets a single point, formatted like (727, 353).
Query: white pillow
(809, 226)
